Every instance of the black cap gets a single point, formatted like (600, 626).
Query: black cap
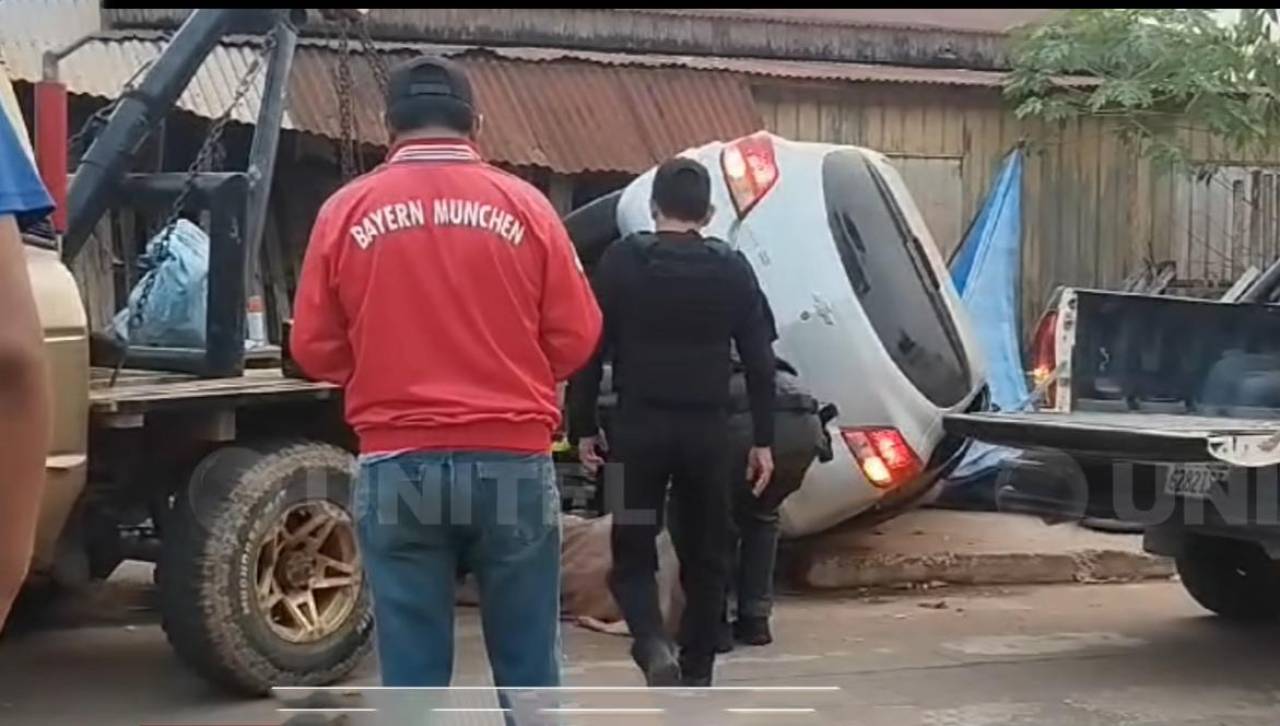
(428, 76)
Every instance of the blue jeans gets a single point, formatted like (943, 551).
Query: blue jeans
(419, 515)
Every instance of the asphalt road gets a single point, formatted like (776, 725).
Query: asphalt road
(1097, 655)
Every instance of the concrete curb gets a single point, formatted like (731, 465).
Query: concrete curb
(840, 570)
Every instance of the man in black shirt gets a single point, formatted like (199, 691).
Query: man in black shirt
(673, 301)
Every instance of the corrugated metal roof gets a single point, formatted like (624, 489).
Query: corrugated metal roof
(789, 34)
(102, 67)
(48, 24)
(566, 110)
(567, 117)
(30, 27)
(587, 117)
(991, 21)
(996, 21)
(791, 69)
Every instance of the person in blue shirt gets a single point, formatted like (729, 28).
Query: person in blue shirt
(25, 417)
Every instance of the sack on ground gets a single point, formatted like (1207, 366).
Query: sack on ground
(585, 561)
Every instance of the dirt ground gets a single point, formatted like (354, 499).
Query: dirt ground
(1075, 655)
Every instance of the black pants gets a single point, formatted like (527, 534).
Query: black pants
(688, 450)
(756, 528)
(755, 525)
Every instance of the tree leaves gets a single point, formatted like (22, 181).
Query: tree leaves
(1157, 72)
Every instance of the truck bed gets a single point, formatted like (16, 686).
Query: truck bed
(137, 391)
(1128, 435)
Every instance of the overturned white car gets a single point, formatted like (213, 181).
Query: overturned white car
(864, 305)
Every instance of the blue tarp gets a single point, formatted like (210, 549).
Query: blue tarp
(987, 271)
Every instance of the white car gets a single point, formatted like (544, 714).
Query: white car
(865, 309)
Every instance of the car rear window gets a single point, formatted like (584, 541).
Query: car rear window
(893, 279)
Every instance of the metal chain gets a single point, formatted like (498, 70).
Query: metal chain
(346, 112)
(202, 160)
(99, 117)
(376, 61)
(381, 75)
(350, 158)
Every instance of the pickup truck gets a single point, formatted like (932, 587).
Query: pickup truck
(1162, 411)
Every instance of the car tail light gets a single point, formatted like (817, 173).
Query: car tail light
(886, 458)
(750, 169)
(1044, 355)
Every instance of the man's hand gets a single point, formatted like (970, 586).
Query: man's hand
(759, 468)
(591, 451)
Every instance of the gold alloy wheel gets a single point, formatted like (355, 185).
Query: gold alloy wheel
(308, 574)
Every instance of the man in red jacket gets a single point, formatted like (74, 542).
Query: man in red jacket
(445, 296)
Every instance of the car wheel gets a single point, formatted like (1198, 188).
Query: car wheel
(1232, 578)
(262, 585)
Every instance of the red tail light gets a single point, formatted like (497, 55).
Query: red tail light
(1044, 355)
(750, 169)
(886, 458)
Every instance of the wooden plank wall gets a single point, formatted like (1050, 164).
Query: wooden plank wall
(1091, 212)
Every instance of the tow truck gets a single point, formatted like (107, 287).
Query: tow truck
(233, 478)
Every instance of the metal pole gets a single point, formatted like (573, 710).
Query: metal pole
(93, 188)
(262, 163)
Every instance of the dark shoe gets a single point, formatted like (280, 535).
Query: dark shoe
(752, 631)
(657, 659)
(695, 671)
(690, 681)
(724, 638)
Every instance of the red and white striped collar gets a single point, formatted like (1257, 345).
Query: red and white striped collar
(433, 150)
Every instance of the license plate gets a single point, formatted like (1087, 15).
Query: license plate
(1195, 481)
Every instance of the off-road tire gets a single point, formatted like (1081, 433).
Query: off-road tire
(208, 607)
(1232, 578)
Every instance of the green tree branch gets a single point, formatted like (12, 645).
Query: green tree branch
(1150, 67)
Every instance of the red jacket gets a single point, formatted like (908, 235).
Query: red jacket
(446, 297)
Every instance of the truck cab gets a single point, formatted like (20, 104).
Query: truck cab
(66, 336)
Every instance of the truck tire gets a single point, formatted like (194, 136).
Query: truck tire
(262, 586)
(1232, 578)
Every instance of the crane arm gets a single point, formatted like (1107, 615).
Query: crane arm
(139, 112)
